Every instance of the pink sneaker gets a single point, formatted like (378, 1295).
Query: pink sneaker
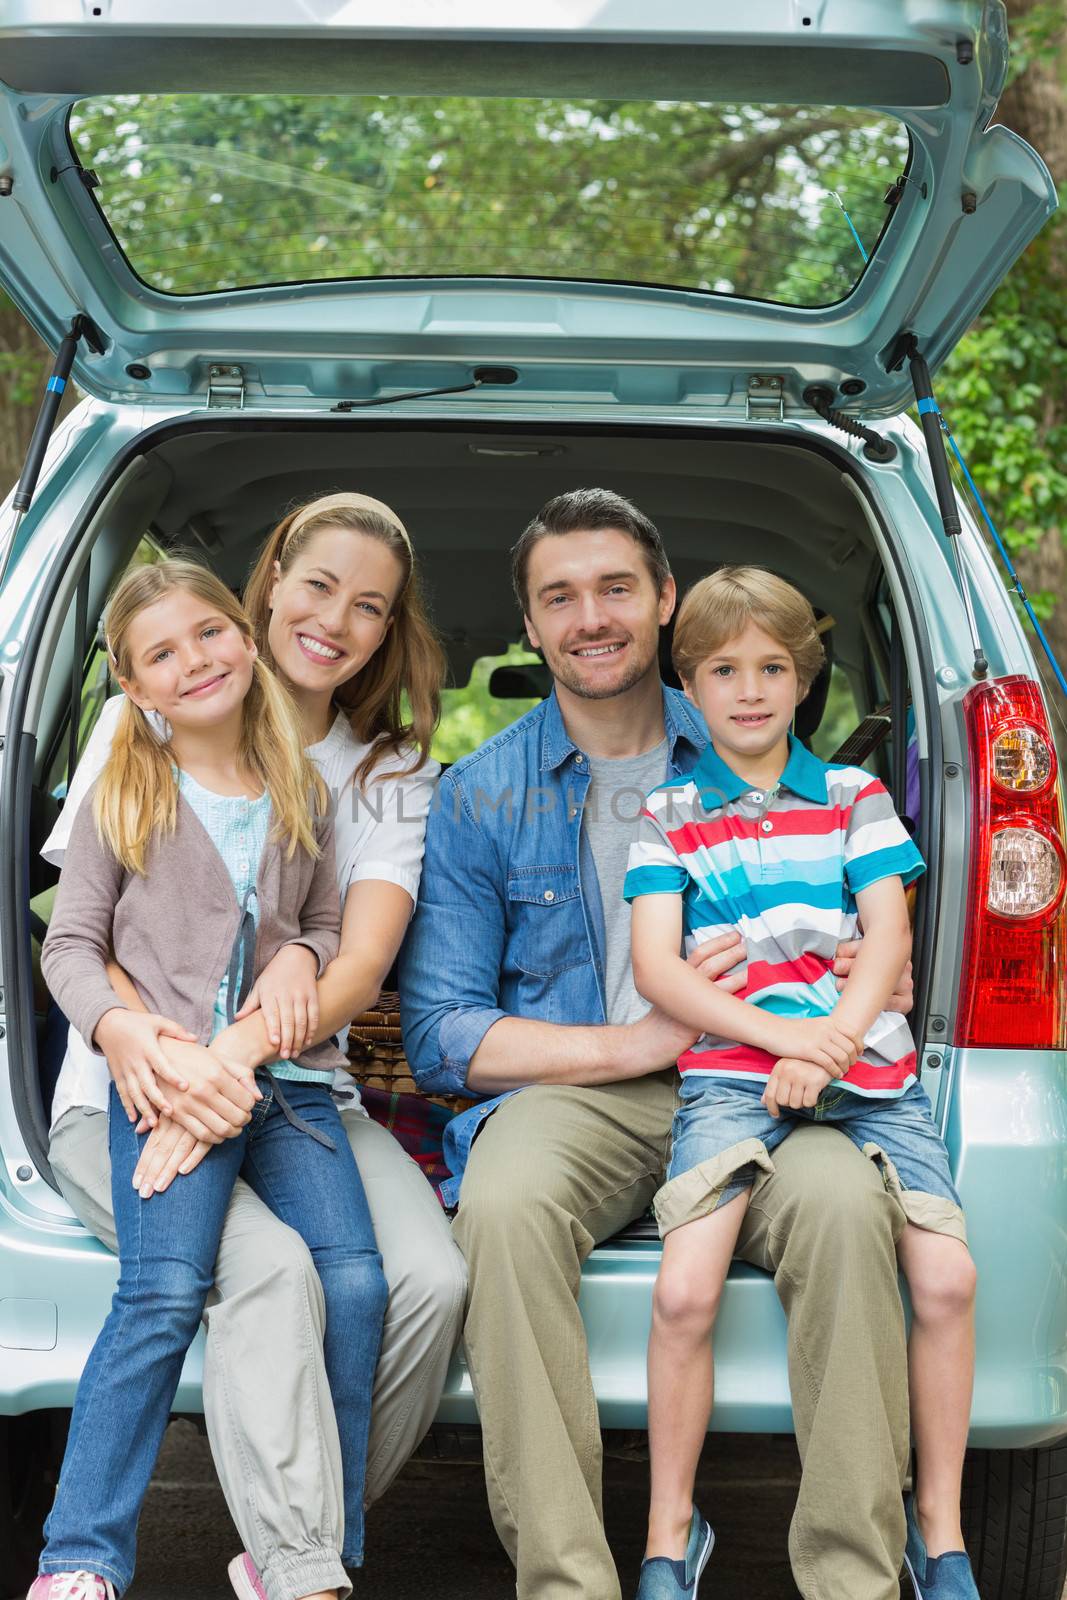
(71, 1586)
(243, 1576)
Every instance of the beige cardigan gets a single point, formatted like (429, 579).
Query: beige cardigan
(172, 929)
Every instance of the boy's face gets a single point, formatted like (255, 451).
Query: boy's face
(747, 693)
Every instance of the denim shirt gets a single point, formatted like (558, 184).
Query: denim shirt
(509, 920)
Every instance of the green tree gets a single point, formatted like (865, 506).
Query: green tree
(1004, 390)
(470, 714)
(207, 194)
(267, 188)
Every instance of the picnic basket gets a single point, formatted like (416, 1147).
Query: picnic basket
(376, 1056)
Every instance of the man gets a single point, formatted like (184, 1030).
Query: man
(516, 976)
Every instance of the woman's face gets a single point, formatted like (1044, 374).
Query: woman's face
(331, 610)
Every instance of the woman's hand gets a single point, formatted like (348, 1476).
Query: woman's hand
(794, 1084)
(131, 1042)
(169, 1150)
(286, 992)
(218, 1096)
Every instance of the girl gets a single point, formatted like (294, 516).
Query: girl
(198, 863)
(339, 570)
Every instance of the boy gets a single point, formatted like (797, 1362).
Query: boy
(765, 838)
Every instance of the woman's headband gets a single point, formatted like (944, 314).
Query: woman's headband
(347, 502)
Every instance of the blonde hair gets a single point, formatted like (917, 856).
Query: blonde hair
(720, 606)
(137, 794)
(409, 661)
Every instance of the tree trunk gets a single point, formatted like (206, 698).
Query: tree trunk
(1035, 106)
(24, 364)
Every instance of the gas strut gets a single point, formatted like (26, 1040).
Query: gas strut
(81, 327)
(932, 425)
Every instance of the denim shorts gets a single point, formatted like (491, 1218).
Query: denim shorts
(723, 1136)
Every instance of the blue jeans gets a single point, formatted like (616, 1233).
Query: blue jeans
(167, 1249)
(723, 1137)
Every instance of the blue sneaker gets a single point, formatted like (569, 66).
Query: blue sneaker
(664, 1579)
(945, 1577)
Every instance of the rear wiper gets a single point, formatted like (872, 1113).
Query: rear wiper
(480, 377)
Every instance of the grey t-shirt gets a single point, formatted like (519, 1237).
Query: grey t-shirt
(613, 802)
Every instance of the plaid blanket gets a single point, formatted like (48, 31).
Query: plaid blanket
(417, 1124)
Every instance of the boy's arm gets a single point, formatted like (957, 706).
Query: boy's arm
(670, 983)
(880, 860)
(883, 954)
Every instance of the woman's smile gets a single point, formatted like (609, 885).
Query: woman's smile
(317, 649)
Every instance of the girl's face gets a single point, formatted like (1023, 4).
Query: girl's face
(746, 692)
(188, 662)
(332, 609)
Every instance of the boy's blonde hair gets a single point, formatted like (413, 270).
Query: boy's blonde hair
(721, 606)
(137, 794)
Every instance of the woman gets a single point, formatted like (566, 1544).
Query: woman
(336, 608)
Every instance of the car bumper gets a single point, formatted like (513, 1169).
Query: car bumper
(1006, 1129)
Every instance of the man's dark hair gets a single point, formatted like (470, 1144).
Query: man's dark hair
(588, 511)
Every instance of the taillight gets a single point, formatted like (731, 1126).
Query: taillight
(1012, 990)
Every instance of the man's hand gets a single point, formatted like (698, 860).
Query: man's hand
(135, 1059)
(287, 995)
(903, 997)
(717, 958)
(218, 1096)
(657, 1038)
(170, 1150)
(818, 1040)
(793, 1084)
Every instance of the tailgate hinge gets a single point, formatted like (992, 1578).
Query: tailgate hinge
(226, 387)
(764, 402)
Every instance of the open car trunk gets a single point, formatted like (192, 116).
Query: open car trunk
(214, 487)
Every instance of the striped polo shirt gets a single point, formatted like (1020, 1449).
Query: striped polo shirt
(783, 868)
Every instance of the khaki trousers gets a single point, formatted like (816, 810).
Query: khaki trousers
(558, 1169)
(269, 1415)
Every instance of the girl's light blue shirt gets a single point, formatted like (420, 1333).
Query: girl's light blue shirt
(237, 827)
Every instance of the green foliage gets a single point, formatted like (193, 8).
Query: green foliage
(1036, 37)
(209, 193)
(1003, 392)
(470, 715)
(20, 364)
(839, 719)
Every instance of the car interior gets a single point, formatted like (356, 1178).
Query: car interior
(465, 492)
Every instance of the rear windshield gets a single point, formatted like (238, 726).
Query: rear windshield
(211, 192)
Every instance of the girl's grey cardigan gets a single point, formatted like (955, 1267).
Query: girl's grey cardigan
(172, 929)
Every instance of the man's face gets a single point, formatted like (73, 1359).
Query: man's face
(593, 611)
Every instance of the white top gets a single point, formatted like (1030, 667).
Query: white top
(379, 834)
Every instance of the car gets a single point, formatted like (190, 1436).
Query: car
(464, 260)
